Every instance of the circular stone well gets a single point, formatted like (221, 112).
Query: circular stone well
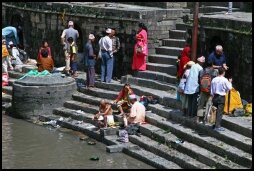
(33, 96)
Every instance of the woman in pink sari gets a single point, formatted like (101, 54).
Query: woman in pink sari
(140, 49)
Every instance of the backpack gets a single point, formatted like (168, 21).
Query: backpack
(205, 83)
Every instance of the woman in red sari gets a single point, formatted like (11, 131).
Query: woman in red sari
(140, 49)
(185, 58)
(45, 45)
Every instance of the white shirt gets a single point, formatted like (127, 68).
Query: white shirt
(220, 85)
(105, 43)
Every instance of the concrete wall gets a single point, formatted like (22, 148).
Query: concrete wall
(45, 20)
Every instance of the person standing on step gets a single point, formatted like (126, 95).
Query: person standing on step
(5, 57)
(230, 6)
(217, 58)
(15, 55)
(116, 55)
(206, 76)
(192, 86)
(72, 50)
(67, 33)
(140, 49)
(184, 59)
(90, 61)
(105, 44)
(183, 97)
(219, 87)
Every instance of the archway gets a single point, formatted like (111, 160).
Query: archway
(80, 39)
(17, 22)
(215, 40)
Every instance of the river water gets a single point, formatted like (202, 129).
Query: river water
(27, 145)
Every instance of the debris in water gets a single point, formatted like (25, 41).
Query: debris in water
(91, 142)
(94, 158)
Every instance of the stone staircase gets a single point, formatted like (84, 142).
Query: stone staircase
(157, 146)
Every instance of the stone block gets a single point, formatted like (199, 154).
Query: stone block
(108, 131)
(114, 148)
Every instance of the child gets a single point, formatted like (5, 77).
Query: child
(72, 52)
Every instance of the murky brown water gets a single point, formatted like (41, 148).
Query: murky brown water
(27, 145)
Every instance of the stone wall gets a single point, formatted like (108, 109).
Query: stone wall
(160, 4)
(48, 20)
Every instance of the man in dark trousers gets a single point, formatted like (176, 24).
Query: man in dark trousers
(219, 88)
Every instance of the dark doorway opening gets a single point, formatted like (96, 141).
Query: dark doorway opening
(16, 21)
(80, 39)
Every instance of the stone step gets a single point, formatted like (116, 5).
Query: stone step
(87, 108)
(181, 26)
(7, 90)
(201, 154)
(171, 51)
(174, 42)
(87, 99)
(99, 92)
(192, 135)
(154, 160)
(137, 153)
(11, 81)
(164, 151)
(212, 9)
(177, 34)
(6, 98)
(153, 75)
(241, 125)
(14, 74)
(162, 59)
(164, 97)
(155, 84)
(210, 143)
(164, 68)
(228, 136)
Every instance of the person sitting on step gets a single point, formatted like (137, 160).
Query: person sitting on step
(137, 112)
(122, 101)
(103, 114)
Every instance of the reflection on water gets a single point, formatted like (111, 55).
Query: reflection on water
(27, 145)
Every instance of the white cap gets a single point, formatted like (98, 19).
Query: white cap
(108, 30)
(201, 59)
(132, 96)
(10, 43)
(70, 23)
(91, 36)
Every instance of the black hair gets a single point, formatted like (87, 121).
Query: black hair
(142, 25)
(44, 53)
(43, 41)
(209, 64)
(221, 70)
(70, 39)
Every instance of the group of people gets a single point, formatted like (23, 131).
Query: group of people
(208, 83)
(130, 109)
(109, 46)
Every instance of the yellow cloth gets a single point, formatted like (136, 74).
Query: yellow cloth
(5, 52)
(235, 101)
(248, 108)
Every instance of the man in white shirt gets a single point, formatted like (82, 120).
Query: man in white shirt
(219, 88)
(105, 44)
(137, 112)
(15, 54)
